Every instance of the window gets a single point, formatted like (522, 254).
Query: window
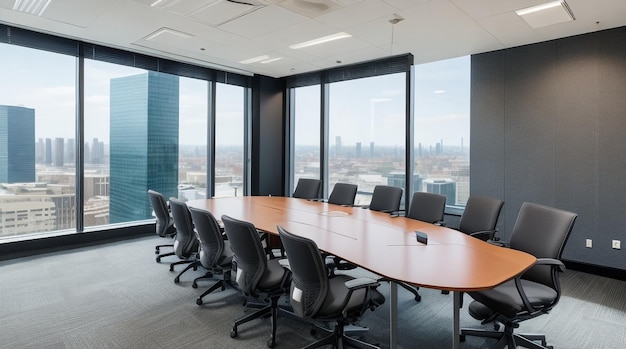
(306, 132)
(442, 124)
(37, 132)
(367, 133)
(229, 140)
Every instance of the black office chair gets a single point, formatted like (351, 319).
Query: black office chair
(308, 188)
(343, 194)
(215, 254)
(541, 231)
(385, 199)
(185, 243)
(426, 207)
(480, 217)
(164, 222)
(257, 276)
(313, 295)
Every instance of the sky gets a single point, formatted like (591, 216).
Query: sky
(363, 110)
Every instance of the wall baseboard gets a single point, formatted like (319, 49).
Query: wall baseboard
(613, 273)
(25, 248)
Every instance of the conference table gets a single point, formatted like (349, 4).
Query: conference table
(384, 245)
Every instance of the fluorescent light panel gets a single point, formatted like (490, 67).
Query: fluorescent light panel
(255, 59)
(34, 7)
(546, 14)
(321, 40)
(272, 60)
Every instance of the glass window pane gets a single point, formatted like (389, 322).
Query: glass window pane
(306, 132)
(442, 120)
(192, 156)
(229, 140)
(37, 132)
(143, 130)
(367, 133)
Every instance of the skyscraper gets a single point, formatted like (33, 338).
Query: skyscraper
(17, 144)
(445, 187)
(59, 157)
(143, 143)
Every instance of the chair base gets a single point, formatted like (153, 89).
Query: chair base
(508, 339)
(272, 309)
(190, 264)
(339, 339)
(221, 283)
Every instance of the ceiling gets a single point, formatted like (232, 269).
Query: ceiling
(223, 33)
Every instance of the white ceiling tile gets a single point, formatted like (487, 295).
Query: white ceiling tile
(265, 20)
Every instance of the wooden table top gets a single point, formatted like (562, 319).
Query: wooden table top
(380, 243)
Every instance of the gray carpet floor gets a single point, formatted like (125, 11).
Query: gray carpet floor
(115, 295)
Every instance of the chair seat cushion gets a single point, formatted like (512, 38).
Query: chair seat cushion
(506, 300)
(273, 277)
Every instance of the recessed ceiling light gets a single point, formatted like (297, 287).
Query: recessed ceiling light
(34, 7)
(255, 59)
(546, 14)
(272, 60)
(321, 40)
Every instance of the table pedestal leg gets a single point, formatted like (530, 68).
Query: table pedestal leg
(393, 315)
(456, 319)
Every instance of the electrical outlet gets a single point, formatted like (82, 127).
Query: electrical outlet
(589, 243)
(616, 244)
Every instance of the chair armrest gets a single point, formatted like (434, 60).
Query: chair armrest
(357, 283)
(440, 223)
(484, 234)
(551, 261)
(554, 263)
(284, 262)
(500, 243)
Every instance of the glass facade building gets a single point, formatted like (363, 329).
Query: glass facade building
(17, 144)
(144, 142)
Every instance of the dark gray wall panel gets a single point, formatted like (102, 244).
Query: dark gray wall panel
(529, 127)
(487, 150)
(563, 131)
(612, 145)
(576, 160)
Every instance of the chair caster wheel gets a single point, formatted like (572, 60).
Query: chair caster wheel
(418, 298)
(199, 301)
(156, 252)
(271, 343)
(194, 285)
(461, 338)
(158, 259)
(233, 332)
(171, 268)
(176, 280)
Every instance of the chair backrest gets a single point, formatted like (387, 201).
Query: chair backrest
(309, 281)
(343, 194)
(480, 214)
(210, 237)
(164, 223)
(185, 243)
(308, 188)
(249, 254)
(541, 231)
(427, 207)
(386, 198)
